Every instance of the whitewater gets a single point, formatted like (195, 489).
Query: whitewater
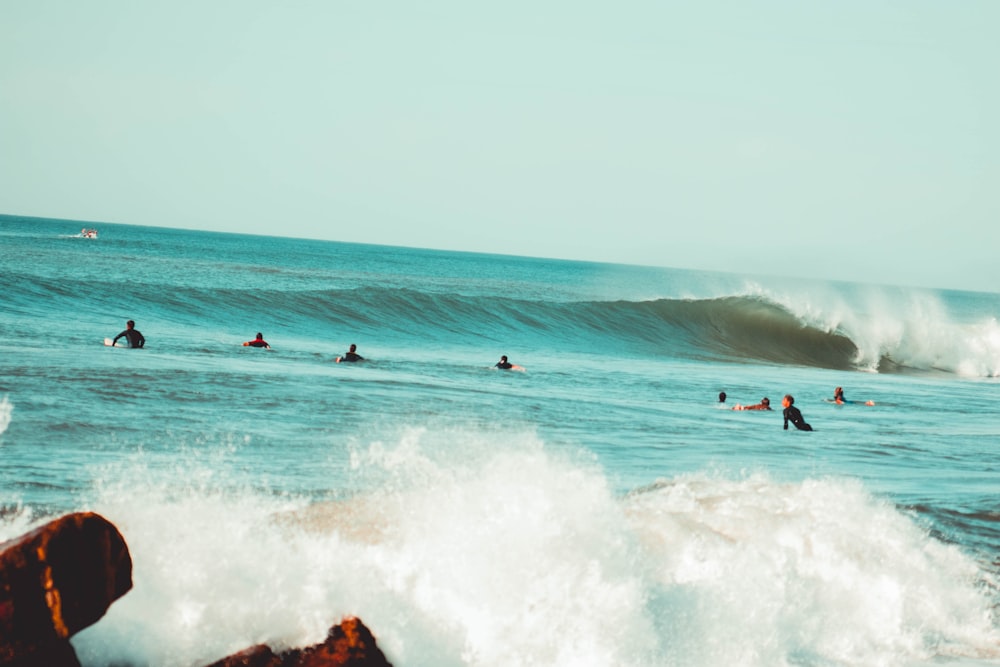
(603, 507)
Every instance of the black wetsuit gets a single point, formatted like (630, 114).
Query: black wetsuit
(504, 365)
(135, 339)
(352, 356)
(793, 415)
(258, 343)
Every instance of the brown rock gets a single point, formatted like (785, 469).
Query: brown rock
(256, 656)
(349, 644)
(55, 581)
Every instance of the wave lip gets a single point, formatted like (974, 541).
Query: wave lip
(873, 330)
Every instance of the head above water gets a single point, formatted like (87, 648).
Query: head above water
(722, 397)
(353, 347)
(765, 401)
(130, 324)
(260, 336)
(503, 358)
(788, 400)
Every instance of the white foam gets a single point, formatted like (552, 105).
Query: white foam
(6, 413)
(912, 328)
(752, 572)
(491, 549)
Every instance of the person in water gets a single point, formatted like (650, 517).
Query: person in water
(503, 363)
(838, 398)
(257, 342)
(765, 404)
(793, 415)
(351, 355)
(722, 397)
(132, 335)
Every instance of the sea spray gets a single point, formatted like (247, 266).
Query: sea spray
(895, 328)
(521, 552)
(506, 555)
(485, 548)
(753, 572)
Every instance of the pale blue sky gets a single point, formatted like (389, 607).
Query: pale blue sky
(841, 139)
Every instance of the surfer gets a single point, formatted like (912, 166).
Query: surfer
(351, 355)
(257, 342)
(505, 365)
(722, 397)
(132, 335)
(838, 398)
(793, 415)
(765, 404)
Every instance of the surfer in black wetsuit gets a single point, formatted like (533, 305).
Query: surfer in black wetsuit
(132, 335)
(257, 342)
(351, 355)
(504, 364)
(793, 415)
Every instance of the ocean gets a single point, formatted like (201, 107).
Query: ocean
(600, 507)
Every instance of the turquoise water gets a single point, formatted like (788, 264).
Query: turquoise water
(601, 507)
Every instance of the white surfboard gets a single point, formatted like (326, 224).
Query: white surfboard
(111, 343)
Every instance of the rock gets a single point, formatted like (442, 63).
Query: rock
(257, 656)
(349, 644)
(55, 581)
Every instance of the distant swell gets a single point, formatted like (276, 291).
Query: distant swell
(731, 328)
(752, 328)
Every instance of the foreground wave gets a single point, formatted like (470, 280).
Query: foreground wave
(515, 554)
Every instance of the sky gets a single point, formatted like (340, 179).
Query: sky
(848, 139)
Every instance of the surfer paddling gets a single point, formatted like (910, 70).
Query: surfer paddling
(838, 398)
(505, 365)
(257, 342)
(765, 404)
